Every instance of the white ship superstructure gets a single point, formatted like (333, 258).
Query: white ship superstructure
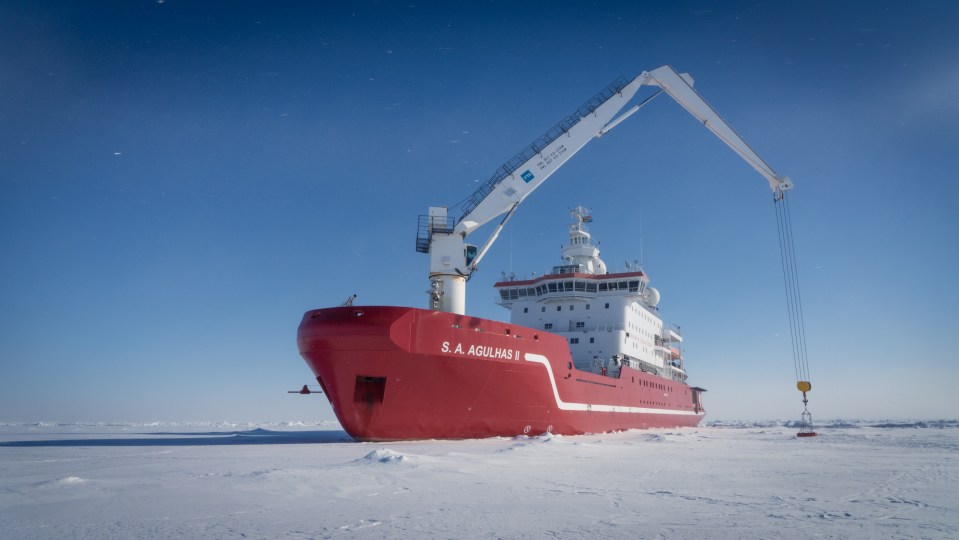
(609, 319)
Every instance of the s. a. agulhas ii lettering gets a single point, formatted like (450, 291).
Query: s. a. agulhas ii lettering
(480, 351)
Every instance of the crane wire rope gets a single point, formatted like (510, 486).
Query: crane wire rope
(797, 327)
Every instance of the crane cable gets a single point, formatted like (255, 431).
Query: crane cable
(797, 329)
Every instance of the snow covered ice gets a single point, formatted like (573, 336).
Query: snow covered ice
(283, 480)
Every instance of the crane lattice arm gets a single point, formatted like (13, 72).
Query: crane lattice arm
(452, 260)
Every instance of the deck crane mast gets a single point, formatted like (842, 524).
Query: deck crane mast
(452, 260)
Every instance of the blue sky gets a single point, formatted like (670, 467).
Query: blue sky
(180, 181)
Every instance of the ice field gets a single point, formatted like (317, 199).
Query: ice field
(295, 480)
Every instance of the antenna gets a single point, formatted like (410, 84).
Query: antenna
(641, 261)
(511, 250)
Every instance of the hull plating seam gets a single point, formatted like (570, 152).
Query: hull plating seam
(596, 383)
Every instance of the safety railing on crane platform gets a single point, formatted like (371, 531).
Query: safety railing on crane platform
(425, 227)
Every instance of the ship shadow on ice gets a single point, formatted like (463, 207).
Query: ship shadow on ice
(209, 438)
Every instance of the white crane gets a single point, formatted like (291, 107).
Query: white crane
(452, 260)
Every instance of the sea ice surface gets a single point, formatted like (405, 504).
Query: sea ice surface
(301, 480)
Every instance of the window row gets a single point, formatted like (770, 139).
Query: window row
(560, 308)
(515, 293)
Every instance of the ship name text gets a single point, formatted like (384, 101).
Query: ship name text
(480, 351)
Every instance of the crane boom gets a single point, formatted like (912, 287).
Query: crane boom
(452, 260)
(681, 90)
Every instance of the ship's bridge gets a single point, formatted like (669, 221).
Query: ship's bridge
(565, 283)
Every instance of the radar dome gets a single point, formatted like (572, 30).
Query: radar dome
(651, 296)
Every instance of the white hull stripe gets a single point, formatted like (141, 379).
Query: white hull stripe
(566, 406)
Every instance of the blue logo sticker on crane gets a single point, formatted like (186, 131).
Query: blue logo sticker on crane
(527, 176)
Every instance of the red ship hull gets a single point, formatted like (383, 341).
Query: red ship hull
(394, 373)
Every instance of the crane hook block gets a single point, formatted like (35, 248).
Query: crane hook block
(804, 386)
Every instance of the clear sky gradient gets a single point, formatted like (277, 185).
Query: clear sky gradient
(180, 181)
